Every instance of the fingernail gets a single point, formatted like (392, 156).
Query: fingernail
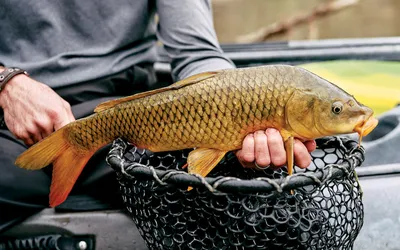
(259, 132)
(271, 131)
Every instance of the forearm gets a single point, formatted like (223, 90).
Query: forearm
(187, 33)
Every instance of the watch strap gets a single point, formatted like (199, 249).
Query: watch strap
(8, 73)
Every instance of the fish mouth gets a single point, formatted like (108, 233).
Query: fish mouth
(365, 127)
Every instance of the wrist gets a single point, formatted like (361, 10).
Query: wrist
(8, 74)
(8, 78)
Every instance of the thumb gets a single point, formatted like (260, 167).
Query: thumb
(68, 110)
(71, 117)
(60, 123)
(63, 120)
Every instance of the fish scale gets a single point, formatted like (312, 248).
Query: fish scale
(238, 106)
(233, 95)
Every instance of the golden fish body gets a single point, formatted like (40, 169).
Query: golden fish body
(211, 112)
(217, 112)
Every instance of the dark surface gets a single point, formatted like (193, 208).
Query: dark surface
(381, 229)
(112, 229)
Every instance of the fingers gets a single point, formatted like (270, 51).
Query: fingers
(70, 116)
(263, 148)
(33, 134)
(44, 125)
(46, 129)
(28, 141)
(262, 156)
(246, 154)
(65, 118)
(36, 137)
(276, 147)
(27, 138)
(267, 148)
(60, 120)
(310, 145)
(302, 157)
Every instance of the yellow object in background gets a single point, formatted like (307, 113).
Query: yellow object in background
(375, 84)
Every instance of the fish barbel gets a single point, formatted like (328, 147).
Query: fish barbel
(212, 112)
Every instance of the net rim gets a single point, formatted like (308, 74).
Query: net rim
(353, 157)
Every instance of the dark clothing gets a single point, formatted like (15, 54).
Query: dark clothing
(64, 42)
(24, 192)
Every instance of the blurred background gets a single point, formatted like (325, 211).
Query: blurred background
(238, 21)
(367, 68)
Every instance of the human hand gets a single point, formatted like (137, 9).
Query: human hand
(267, 147)
(32, 110)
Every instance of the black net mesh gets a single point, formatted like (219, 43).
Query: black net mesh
(238, 208)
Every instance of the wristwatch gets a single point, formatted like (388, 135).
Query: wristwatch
(8, 73)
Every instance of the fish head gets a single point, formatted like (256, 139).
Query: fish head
(319, 112)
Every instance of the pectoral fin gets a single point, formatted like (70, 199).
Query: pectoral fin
(202, 160)
(289, 145)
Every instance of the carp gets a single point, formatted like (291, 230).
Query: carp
(211, 112)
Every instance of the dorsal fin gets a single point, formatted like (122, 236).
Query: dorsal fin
(180, 84)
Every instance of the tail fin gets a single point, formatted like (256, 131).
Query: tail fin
(68, 163)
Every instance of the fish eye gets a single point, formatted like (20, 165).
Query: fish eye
(337, 107)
